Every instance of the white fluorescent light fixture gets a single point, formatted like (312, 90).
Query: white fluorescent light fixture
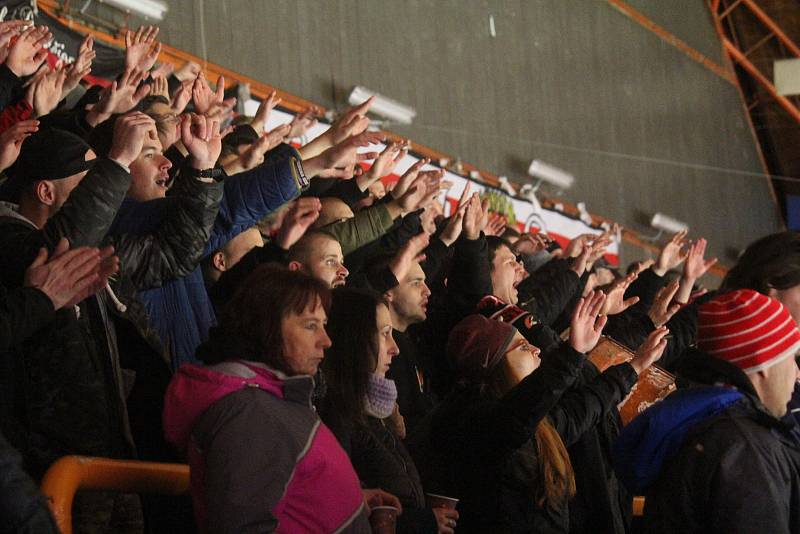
(387, 108)
(552, 175)
(665, 223)
(149, 9)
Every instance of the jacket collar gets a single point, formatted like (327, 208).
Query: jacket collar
(699, 367)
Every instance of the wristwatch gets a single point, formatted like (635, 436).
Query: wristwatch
(207, 175)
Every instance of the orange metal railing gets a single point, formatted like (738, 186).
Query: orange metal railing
(71, 473)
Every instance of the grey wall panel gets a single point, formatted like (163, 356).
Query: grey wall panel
(573, 82)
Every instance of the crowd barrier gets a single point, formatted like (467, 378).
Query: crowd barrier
(72, 473)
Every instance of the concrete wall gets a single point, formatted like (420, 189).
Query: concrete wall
(573, 82)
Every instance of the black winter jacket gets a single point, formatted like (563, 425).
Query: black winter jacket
(382, 461)
(483, 451)
(587, 420)
(69, 383)
(548, 290)
(736, 472)
(468, 282)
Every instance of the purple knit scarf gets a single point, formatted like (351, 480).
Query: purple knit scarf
(381, 396)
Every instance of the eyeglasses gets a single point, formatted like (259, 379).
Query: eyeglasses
(522, 344)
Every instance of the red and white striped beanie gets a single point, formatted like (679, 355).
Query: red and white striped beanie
(747, 329)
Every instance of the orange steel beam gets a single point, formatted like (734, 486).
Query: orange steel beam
(772, 26)
(730, 8)
(761, 42)
(714, 7)
(71, 473)
(670, 38)
(762, 80)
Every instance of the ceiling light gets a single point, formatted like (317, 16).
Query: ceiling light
(552, 175)
(387, 108)
(149, 9)
(665, 223)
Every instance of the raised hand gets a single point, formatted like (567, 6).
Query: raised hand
(44, 90)
(673, 253)
(163, 70)
(27, 54)
(696, 265)
(587, 323)
(351, 122)
(642, 266)
(181, 97)
(297, 221)
(340, 160)
(251, 158)
(575, 247)
(129, 135)
(202, 95)
(405, 181)
(120, 97)
(383, 165)
(420, 192)
(582, 260)
(71, 275)
(496, 225)
(82, 65)
(302, 122)
(473, 217)
(264, 108)
(663, 307)
(277, 135)
(599, 246)
(651, 350)
(141, 48)
(11, 28)
(160, 87)
(202, 138)
(11, 141)
(453, 228)
(529, 244)
(409, 254)
(615, 302)
(188, 72)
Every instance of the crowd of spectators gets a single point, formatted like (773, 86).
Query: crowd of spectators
(330, 353)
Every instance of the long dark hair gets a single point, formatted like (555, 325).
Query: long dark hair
(250, 324)
(771, 262)
(353, 354)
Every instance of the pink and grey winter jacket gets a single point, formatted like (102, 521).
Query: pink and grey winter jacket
(261, 460)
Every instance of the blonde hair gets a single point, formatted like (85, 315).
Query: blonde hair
(555, 466)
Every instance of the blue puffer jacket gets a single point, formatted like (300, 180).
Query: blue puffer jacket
(180, 310)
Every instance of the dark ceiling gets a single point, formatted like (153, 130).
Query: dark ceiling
(778, 132)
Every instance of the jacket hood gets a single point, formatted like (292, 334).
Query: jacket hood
(9, 209)
(194, 388)
(654, 437)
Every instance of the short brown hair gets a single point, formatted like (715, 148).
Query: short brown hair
(250, 324)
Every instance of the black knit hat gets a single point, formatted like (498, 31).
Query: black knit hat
(49, 154)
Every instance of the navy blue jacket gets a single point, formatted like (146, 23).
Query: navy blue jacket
(180, 310)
